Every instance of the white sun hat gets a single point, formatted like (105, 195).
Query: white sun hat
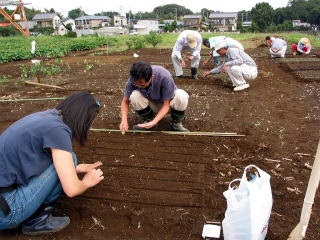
(221, 44)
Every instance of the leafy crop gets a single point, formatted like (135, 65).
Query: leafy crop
(19, 48)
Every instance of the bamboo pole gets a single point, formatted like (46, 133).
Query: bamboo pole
(216, 134)
(42, 84)
(299, 232)
(30, 99)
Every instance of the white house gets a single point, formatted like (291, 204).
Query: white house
(47, 20)
(224, 22)
(120, 21)
(62, 30)
(143, 27)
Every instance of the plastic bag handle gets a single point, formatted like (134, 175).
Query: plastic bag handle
(234, 180)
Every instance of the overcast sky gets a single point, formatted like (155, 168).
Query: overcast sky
(97, 6)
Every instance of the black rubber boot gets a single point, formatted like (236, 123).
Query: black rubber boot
(194, 72)
(43, 222)
(147, 115)
(176, 121)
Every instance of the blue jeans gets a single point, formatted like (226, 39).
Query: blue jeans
(25, 200)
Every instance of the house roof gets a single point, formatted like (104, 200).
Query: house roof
(106, 18)
(31, 24)
(224, 15)
(44, 16)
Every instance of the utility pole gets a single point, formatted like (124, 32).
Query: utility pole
(176, 13)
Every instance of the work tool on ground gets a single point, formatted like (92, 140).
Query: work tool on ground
(299, 232)
(216, 134)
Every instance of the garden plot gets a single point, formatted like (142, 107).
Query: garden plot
(307, 69)
(160, 186)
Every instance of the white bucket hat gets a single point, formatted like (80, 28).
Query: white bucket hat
(221, 44)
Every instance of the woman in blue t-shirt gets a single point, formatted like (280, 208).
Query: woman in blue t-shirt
(37, 163)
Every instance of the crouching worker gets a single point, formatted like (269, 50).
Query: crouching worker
(153, 94)
(37, 164)
(238, 64)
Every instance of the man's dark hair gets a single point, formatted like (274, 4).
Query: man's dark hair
(205, 41)
(268, 37)
(141, 70)
(78, 111)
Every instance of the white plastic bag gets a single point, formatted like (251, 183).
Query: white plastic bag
(248, 207)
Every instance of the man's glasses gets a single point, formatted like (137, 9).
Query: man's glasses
(142, 86)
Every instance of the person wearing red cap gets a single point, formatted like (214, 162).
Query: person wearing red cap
(302, 47)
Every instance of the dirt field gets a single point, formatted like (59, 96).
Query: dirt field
(161, 186)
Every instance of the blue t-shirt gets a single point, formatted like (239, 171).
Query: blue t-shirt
(25, 146)
(161, 88)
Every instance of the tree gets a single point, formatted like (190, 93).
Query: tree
(30, 13)
(205, 13)
(75, 13)
(262, 15)
(109, 14)
(170, 11)
(153, 38)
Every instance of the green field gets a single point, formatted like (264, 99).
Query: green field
(19, 48)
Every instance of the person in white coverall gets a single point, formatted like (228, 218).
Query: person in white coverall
(211, 43)
(238, 64)
(189, 41)
(278, 47)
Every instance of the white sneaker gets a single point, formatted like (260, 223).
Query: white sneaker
(241, 87)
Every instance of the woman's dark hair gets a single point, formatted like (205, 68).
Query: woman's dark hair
(78, 111)
(205, 41)
(141, 70)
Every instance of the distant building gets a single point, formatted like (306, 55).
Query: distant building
(88, 22)
(143, 27)
(50, 20)
(192, 21)
(224, 22)
(120, 21)
(31, 24)
(246, 24)
(111, 31)
(298, 23)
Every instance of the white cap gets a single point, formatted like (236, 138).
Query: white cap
(221, 44)
(192, 40)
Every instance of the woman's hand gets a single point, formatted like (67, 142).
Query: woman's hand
(93, 177)
(84, 168)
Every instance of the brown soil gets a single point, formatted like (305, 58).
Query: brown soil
(161, 186)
